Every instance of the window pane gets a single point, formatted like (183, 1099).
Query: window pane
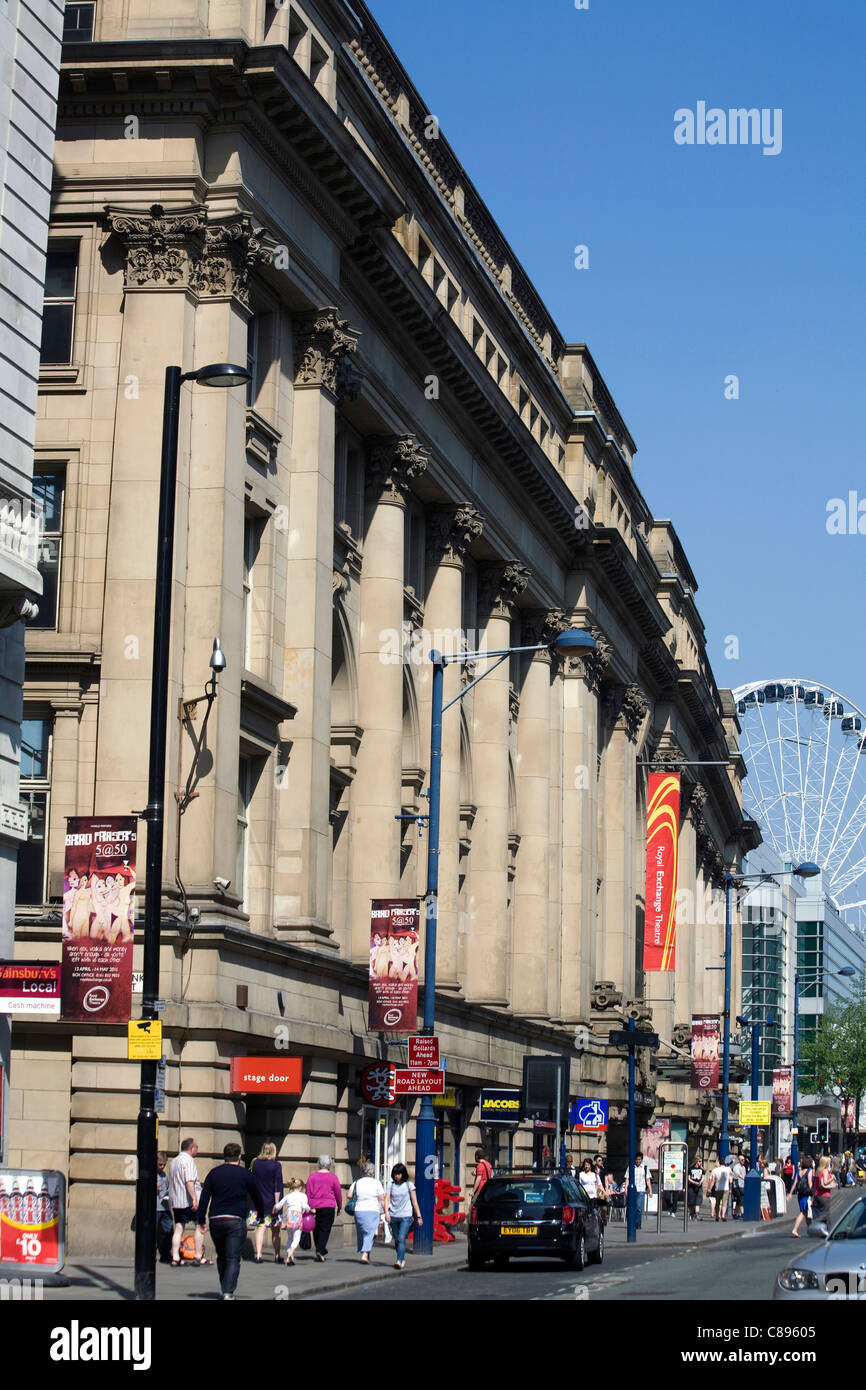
(31, 855)
(48, 488)
(34, 748)
(49, 568)
(56, 334)
(78, 24)
(60, 267)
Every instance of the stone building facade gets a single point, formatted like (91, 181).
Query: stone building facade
(30, 41)
(421, 459)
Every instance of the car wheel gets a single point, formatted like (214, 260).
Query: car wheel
(475, 1262)
(500, 1262)
(597, 1258)
(577, 1259)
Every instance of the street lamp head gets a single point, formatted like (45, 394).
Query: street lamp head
(807, 869)
(848, 971)
(573, 640)
(220, 374)
(217, 661)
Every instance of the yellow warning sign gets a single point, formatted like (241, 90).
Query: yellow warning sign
(755, 1112)
(145, 1040)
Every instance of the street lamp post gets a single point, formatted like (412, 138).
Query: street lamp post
(804, 870)
(752, 1185)
(845, 970)
(425, 1134)
(218, 374)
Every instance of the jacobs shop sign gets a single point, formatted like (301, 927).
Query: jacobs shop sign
(500, 1107)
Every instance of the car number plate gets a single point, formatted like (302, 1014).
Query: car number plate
(519, 1231)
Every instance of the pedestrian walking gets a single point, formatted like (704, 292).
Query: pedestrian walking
(738, 1188)
(825, 1183)
(805, 1189)
(643, 1186)
(788, 1175)
(695, 1188)
(720, 1187)
(588, 1179)
(483, 1171)
(292, 1207)
(164, 1219)
(325, 1196)
(228, 1191)
(267, 1174)
(401, 1207)
(368, 1198)
(183, 1190)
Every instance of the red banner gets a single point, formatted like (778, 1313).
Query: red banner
(782, 1100)
(394, 942)
(662, 827)
(98, 916)
(706, 1037)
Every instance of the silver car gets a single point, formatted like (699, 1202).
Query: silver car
(834, 1269)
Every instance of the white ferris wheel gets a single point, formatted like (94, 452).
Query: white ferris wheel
(805, 749)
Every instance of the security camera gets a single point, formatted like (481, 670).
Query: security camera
(223, 884)
(195, 915)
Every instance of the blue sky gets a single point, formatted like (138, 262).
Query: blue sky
(705, 261)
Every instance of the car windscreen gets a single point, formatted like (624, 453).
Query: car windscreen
(852, 1225)
(524, 1192)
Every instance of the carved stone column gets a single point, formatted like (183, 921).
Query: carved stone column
(623, 711)
(393, 463)
(450, 531)
(577, 688)
(158, 322)
(323, 341)
(533, 939)
(489, 975)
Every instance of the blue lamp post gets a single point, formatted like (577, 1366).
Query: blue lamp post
(804, 870)
(426, 1161)
(752, 1185)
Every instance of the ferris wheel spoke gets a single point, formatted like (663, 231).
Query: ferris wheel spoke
(839, 823)
(779, 785)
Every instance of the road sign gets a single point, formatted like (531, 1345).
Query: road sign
(377, 1083)
(588, 1114)
(420, 1081)
(621, 1038)
(755, 1112)
(424, 1052)
(145, 1040)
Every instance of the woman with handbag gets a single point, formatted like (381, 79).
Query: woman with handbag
(367, 1204)
(825, 1183)
(267, 1174)
(401, 1207)
(325, 1196)
(805, 1188)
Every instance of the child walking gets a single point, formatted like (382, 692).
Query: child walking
(293, 1206)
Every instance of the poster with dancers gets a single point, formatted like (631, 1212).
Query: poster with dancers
(98, 919)
(394, 939)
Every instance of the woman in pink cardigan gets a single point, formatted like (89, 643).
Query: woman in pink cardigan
(325, 1196)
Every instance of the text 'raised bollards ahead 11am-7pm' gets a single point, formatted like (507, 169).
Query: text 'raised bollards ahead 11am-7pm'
(426, 1158)
(219, 374)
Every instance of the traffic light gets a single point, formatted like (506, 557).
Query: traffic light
(823, 1130)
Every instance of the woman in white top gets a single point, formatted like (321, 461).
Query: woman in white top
(588, 1179)
(401, 1208)
(369, 1197)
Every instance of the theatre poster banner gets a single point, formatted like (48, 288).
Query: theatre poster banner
(782, 1099)
(663, 825)
(706, 1037)
(98, 918)
(394, 938)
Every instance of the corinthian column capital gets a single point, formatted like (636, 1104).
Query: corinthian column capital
(500, 586)
(162, 247)
(393, 464)
(233, 247)
(451, 529)
(323, 345)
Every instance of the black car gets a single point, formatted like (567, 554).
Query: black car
(534, 1214)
